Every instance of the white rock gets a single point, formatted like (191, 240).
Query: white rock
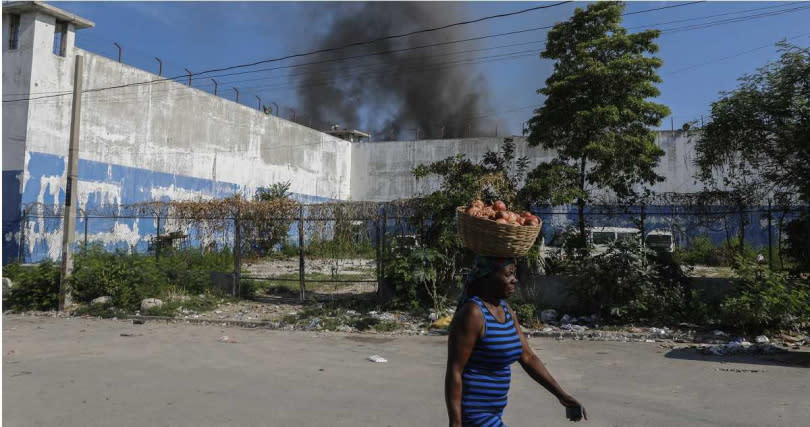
(148, 303)
(7, 285)
(102, 300)
(762, 339)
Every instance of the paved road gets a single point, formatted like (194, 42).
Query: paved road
(82, 372)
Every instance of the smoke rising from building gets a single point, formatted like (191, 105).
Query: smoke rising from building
(424, 92)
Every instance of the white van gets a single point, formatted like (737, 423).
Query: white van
(602, 237)
(660, 241)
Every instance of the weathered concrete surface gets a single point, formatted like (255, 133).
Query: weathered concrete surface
(381, 171)
(82, 372)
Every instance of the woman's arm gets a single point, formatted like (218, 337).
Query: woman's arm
(464, 332)
(537, 370)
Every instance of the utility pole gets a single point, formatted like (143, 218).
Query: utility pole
(69, 225)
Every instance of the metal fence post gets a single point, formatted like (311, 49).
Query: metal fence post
(303, 286)
(770, 236)
(237, 252)
(379, 248)
(382, 291)
(158, 244)
(85, 230)
(23, 226)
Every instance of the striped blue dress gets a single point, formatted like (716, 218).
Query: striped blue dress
(485, 381)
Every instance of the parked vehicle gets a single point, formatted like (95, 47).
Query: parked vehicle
(660, 241)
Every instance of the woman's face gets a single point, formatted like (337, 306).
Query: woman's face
(504, 281)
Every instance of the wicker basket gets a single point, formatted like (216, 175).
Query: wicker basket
(488, 238)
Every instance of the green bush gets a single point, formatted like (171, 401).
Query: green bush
(413, 274)
(631, 283)
(129, 278)
(702, 251)
(526, 314)
(765, 300)
(798, 242)
(34, 287)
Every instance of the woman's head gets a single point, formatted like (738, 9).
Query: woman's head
(492, 277)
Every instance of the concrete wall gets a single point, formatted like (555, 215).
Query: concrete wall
(381, 171)
(146, 142)
(16, 84)
(165, 140)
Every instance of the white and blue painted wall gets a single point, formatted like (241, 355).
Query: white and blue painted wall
(148, 142)
(168, 141)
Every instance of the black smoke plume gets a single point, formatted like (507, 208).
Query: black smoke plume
(425, 92)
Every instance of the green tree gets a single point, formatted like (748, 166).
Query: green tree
(496, 177)
(762, 128)
(267, 223)
(757, 141)
(597, 115)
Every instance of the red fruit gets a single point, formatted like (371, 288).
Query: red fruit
(501, 221)
(521, 220)
(499, 206)
(526, 214)
(501, 214)
(532, 222)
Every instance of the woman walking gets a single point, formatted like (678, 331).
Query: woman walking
(485, 339)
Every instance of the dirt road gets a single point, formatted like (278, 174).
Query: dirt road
(83, 372)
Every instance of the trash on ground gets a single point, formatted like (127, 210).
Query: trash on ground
(762, 339)
(227, 339)
(442, 323)
(549, 315)
(377, 359)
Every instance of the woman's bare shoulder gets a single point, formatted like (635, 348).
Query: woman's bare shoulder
(468, 315)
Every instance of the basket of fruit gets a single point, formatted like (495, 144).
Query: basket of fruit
(492, 230)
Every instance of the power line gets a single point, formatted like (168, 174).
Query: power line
(706, 25)
(711, 61)
(366, 66)
(344, 47)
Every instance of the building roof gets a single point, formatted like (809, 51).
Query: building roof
(348, 134)
(38, 6)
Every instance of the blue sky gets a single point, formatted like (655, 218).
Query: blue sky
(207, 35)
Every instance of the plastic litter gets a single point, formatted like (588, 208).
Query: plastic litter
(442, 323)
(566, 319)
(762, 339)
(719, 333)
(227, 339)
(377, 359)
(549, 315)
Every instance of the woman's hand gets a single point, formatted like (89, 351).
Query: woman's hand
(569, 402)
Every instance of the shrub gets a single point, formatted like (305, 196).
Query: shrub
(798, 242)
(703, 252)
(128, 278)
(34, 287)
(764, 300)
(414, 277)
(631, 283)
(526, 313)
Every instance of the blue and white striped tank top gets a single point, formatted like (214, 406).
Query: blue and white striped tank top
(486, 378)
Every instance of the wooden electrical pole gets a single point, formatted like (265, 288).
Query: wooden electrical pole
(69, 225)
